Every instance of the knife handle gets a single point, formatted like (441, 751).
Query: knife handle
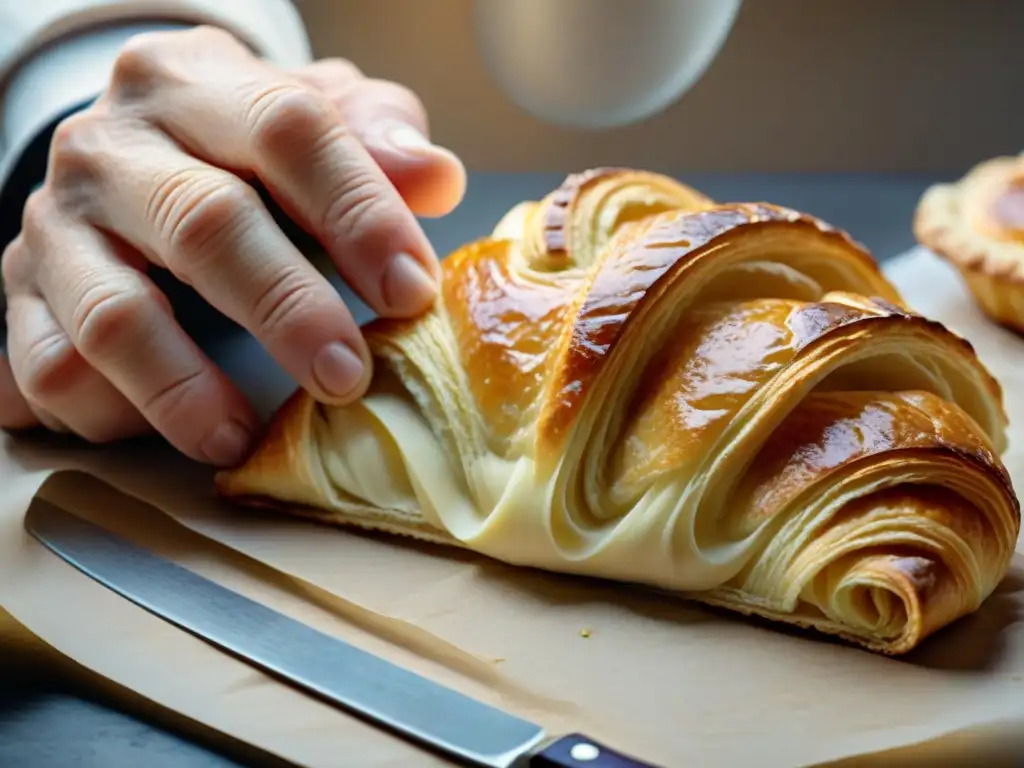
(577, 751)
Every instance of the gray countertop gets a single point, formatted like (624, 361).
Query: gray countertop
(46, 723)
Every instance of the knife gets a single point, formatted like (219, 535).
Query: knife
(408, 705)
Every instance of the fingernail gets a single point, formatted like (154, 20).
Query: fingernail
(227, 445)
(405, 138)
(338, 369)
(408, 287)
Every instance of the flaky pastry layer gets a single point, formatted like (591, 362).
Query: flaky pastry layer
(630, 381)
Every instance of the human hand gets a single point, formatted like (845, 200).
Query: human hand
(153, 176)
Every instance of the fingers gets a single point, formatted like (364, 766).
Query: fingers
(98, 348)
(234, 111)
(213, 233)
(15, 412)
(152, 171)
(62, 390)
(391, 122)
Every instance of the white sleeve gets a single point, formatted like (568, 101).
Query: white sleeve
(55, 54)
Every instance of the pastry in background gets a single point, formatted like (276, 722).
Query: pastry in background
(629, 381)
(977, 224)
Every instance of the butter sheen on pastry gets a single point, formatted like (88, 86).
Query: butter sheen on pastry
(627, 380)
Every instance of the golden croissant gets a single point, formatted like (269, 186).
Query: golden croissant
(629, 381)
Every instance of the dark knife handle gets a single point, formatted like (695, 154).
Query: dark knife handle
(577, 751)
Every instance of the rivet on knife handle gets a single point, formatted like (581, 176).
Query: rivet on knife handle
(577, 751)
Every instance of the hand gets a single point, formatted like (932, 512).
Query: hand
(152, 175)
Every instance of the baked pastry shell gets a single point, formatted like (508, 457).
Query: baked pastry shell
(956, 221)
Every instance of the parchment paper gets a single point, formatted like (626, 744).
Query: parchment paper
(675, 684)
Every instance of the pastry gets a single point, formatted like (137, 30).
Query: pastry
(629, 381)
(977, 224)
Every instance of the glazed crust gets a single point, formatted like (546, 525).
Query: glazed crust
(630, 381)
(970, 224)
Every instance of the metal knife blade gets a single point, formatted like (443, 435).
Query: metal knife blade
(408, 705)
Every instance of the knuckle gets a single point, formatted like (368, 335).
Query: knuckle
(109, 319)
(335, 79)
(139, 64)
(14, 264)
(335, 76)
(38, 209)
(73, 149)
(149, 59)
(401, 99)
(172, 399)
(286, 116)
(340, 69)
(213, 35)
(359, 213)
(207, 219)
(287, 297)
(192, 210)
(51, 366)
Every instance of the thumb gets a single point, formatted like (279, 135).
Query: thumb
(391, 122)
(14, 410)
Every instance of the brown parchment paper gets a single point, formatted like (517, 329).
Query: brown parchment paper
(654, 676)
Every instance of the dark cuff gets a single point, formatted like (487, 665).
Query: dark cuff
(27, 172)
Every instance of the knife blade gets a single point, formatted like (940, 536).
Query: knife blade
(406, 704)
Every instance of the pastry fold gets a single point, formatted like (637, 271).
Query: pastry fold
(629, 381)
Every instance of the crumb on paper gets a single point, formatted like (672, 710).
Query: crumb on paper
(585, 633)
